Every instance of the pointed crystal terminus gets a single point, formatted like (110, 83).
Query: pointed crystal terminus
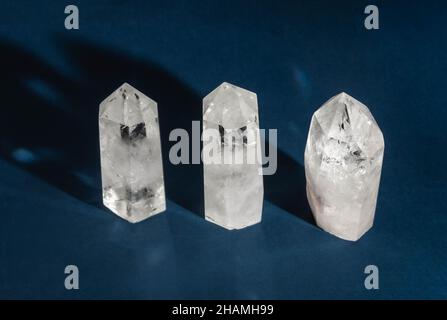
(131, 164)
(233, 188)
(343, 163)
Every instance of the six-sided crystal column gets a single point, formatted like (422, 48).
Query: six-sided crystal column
(343, 162)
(131, 163)
(233, 188)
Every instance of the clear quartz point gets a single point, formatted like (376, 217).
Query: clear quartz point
(343, 163)
(131, 163)
(234, 186)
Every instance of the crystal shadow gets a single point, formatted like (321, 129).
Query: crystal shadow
(287, 187)
(52, 130)
(52, 126)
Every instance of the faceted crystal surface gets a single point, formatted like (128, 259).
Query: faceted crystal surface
(233, 188)
(131, 164)
(343, 162)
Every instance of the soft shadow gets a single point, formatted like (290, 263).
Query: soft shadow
(50, 116)
(287, 187)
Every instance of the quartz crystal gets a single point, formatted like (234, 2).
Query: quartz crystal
(131, 164)
(233, 189)
(343, 162)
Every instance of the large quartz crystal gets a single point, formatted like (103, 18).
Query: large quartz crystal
(343, 162)
(233, 183)
(131, 164)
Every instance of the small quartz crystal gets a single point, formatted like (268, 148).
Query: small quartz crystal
(233, 189)
(343, 163)
(131, 164)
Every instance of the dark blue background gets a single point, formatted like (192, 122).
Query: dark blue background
(295, 56)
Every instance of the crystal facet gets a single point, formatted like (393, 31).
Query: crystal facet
(343, 163)
(131, 164)
(233, 189)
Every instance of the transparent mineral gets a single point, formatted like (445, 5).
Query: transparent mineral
(131, 164)
(343, 162)
(233, 183)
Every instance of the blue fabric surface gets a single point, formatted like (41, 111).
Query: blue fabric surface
(295, 56)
